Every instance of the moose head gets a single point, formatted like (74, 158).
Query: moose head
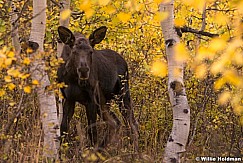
(78, 50)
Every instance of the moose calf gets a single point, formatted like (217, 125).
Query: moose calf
(93, 78)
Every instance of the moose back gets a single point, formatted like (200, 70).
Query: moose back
(93, 78)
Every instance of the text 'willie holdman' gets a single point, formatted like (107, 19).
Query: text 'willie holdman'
(220, 159)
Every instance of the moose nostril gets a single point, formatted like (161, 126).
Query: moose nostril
(83, 69)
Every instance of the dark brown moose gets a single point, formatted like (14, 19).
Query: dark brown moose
(93, 78)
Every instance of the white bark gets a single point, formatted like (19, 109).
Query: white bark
(46, 99)
(65, 5)
(14, 29)
(181, 112)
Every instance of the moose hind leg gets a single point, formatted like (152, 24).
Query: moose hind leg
(113, 124)
(127, 112)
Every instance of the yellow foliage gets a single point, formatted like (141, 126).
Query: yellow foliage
(26, 61)
(201, 71)
(35, 82)
(8, 61)
(219, 83)
(204, 53)
(198, 4)
(24, 76)
(108, 9)
(232, 77)
(217, 44)
(180, 22)
(238, 110)
(11, 54)
(13, 72)
(86, 6)
(224, 97)
(124, 17)
(27, 89)
(217, 67)
(103, 2)
(65, 14)
(159, 68)
(7, 79)
(11, 86)
(221, 18)
(2, 92)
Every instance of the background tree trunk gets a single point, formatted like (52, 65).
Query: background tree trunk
(14, 29)
(46, 98)
(181, 112)
(65, 4)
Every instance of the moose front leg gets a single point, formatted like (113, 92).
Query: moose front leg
(68, 111)
(91, 113)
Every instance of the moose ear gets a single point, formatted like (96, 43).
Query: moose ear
(97, 36)
(66, 36)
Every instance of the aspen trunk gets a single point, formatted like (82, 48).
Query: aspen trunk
(46, 98)
(181, 112)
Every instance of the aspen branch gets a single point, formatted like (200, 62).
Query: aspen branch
(185, 29)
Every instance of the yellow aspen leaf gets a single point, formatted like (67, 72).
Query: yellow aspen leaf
(217, 44)
(198, 4)
(159, 68)
(124, 17)
(26, 61)
(181, 53)
(92, 157)
(12, 104)
(241, 120)
(103, 2)
(238, 110)
(101, 157)
(201, 71)
(10, 54)
(219, 83)
(221, 19)
(24, 76)
(160, 16)
(2, 92)
(89, 13)
(232, 77)
(238, 58)
(202, 54)
(35, 82)
(217, 67)
(29, 51)
(13, 72)
(180, 22)
(86, 6)
(8, 61)
(11, 86)
(8, 79)
(224, 98)
(108, 9)
(65, 14)
(27, 89)
(161, 1)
